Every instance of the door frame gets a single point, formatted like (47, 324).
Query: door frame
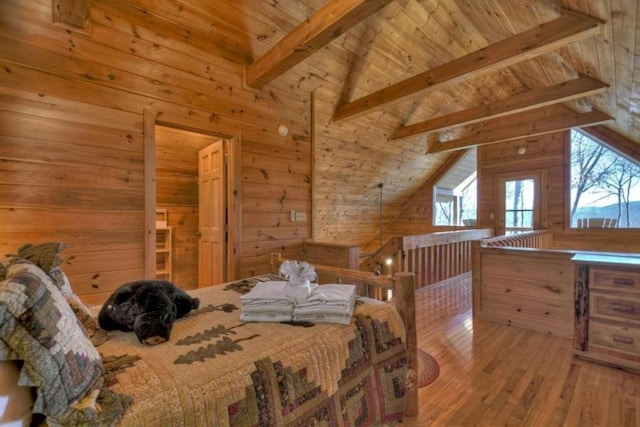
(233, 178)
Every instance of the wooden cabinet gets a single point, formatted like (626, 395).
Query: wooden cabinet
(608, 309)
(163, 253)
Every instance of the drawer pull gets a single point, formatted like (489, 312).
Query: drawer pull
(623, 281)
(622, 340)
(622, 308)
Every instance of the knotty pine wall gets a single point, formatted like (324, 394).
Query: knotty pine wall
(71, 138)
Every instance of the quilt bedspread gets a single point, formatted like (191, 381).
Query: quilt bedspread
(219, 371)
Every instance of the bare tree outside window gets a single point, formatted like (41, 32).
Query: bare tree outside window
(605, 186)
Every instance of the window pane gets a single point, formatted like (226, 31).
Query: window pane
(519, 202)
(605, 187)
(455, 196)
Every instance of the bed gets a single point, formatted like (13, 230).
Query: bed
(218, 371)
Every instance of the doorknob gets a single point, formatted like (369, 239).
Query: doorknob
(198, 234)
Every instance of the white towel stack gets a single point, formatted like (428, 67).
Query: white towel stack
(327, 303)
(298, 300)
(267, 302)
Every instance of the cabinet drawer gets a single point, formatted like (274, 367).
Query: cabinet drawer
(615, 306)
(614, 336)
(617, 279)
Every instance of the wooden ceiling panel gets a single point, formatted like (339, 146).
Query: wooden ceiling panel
(404, 39)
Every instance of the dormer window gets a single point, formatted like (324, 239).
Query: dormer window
(454, 195)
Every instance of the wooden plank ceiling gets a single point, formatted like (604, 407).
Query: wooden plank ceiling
(399, 84)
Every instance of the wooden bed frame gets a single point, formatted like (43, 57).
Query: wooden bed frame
(403, 286)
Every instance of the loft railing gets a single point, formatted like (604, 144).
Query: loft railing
(539, 239)
(431, 257)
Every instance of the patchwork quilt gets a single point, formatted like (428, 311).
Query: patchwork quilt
(219, 371)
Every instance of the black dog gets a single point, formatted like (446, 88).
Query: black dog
(147, 307)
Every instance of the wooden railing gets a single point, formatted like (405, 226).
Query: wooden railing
(539, 239)
(438, 256)
(431, 257)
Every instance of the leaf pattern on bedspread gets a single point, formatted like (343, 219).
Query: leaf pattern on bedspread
(209, 334)
(210, 308)
(220, 348)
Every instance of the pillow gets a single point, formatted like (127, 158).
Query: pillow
(38, 326)
(3, 269)
(82, 312)
(16, 401)
(46, 256)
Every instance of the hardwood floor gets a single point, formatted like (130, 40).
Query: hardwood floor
(494, 375)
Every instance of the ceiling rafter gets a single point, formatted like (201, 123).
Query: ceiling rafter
(525, 101)
(335, 18)
(569, 27)
(550, 119)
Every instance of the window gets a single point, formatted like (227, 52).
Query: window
(520, 203)
(605, 186)
(454, 195)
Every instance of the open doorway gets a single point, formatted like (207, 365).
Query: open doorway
(171, 186)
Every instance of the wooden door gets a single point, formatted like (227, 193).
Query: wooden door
(211, 247)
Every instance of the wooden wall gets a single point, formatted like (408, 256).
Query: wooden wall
(71, 139)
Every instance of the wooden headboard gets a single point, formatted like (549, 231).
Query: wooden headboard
(403, 286)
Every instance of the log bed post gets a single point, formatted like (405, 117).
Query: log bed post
(405, 303)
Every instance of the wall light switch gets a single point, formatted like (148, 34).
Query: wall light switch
(293, 215)
(301, 216)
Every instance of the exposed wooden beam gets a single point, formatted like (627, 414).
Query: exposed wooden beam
(325, 25)
(568, 28)
(554, 118)
(618, 142)
(583, 86)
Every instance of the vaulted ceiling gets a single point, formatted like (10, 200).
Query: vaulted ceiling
(398, 86)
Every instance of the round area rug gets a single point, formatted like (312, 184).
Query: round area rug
(428, 368)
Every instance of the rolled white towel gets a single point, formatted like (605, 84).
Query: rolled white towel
(300, 292)
(296, 271)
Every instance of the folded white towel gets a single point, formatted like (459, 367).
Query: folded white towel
(267, 291)
(268, 308)
(327, 304)
(347, 310)
(331, 295)
(265, 317)
(343, 319)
